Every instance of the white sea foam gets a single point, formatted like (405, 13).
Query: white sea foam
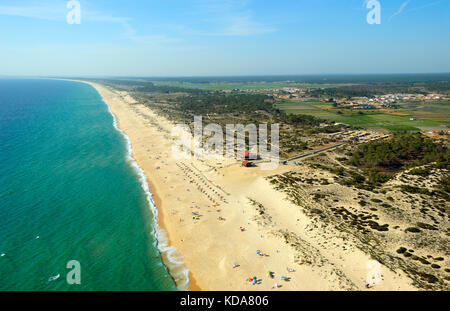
(54, 278)
(173, 258)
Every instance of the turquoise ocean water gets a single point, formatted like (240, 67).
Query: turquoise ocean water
(68, 192)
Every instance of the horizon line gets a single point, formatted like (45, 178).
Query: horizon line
(221, 76)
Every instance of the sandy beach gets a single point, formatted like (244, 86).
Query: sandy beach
(219, 215)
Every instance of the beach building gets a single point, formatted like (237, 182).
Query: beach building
(246, 155)
(247, 164)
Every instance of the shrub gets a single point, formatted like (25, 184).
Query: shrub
(424, 261)
(435, 266)
(426, 226)
(401, 250)
(414, 189)
(420, 172)
(413, 229)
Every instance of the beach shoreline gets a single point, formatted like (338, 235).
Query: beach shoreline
(201, 206)
(159, 218)
(192, 286)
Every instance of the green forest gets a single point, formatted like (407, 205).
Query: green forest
(402, 150)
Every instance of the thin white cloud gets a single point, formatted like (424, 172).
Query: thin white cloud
(230, 18)
(426, 5)
(400, 10)
(224, 17)
(52, 10)
(244, 25)
(56, 11)
(45, 12)
(405, 4)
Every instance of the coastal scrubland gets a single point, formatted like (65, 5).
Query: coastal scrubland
(339, 201)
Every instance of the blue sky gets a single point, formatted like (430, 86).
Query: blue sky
(226, 37)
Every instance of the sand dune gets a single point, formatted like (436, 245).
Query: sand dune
(219, 215)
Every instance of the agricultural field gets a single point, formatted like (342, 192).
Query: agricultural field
(439, 111)
(427, 115)
(222, 86)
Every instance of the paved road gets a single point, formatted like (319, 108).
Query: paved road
(314, 152)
